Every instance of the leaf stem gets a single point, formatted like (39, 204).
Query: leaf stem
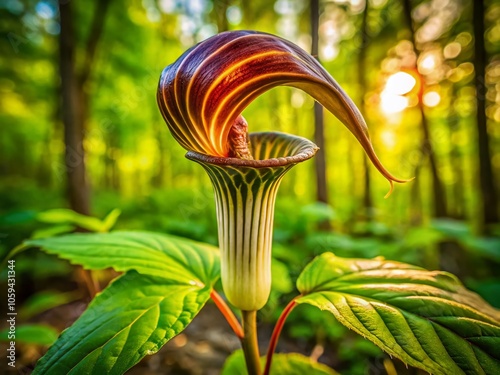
(89, 281)
(228, 313)
(249, 342)
(276, 334)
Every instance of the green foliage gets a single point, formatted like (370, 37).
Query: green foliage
(488, 247)
(303, 222)
(44, 301)
(168, 281)
(488, 289)
(354, 354)
(53, 230)
(451, 228)
(146, 252)
(68, 218)
(425, 318)
(134, 317)
(419, 237)
(281, 281)
(283, 364)
(307, 322)
(36, 334)
(191, 213)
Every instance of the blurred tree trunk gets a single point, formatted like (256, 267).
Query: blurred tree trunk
(367, 198)
(415, 204)
(438, 192)
(72, 115)
(248, 17)
(457, 209)
(75, 100)
(319, 133)
(158, 178)
(220, 8)
(112, 174)
(43, 172)
(451, 257)
(486, 181)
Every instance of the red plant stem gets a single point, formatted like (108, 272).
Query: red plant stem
(276, 334)
(228, 313)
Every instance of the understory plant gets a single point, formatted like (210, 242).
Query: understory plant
(428, 319)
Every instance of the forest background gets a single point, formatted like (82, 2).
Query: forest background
(80, 129)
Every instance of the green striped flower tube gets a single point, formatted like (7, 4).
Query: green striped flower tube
(201, 97)
(245, 193)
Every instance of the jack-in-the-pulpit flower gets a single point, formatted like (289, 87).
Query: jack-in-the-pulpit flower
(201, 97)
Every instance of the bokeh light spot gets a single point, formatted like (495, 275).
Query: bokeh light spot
(400, 83)
(431, 99)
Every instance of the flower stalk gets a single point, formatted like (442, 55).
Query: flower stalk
(250, 343)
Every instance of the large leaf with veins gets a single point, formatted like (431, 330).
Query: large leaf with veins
(428, 319)
(133, 317)
(169, 280)
(148, 253)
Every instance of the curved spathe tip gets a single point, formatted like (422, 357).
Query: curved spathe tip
(203, 93)
(391, 182)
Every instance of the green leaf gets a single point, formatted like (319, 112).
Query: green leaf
(422, 236)
(317, 212)
(64, 217)
(19, 217)
(110, 220)
(488, 247)
(428, 319)
(146, 252)
(281, 280)
(53, 231)
(37, 334)
(67, 216)
(133, 317)
(451, 228)
(488, 289)
(283, 364)
(44, 301)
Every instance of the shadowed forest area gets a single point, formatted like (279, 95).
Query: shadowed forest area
(81, 130)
